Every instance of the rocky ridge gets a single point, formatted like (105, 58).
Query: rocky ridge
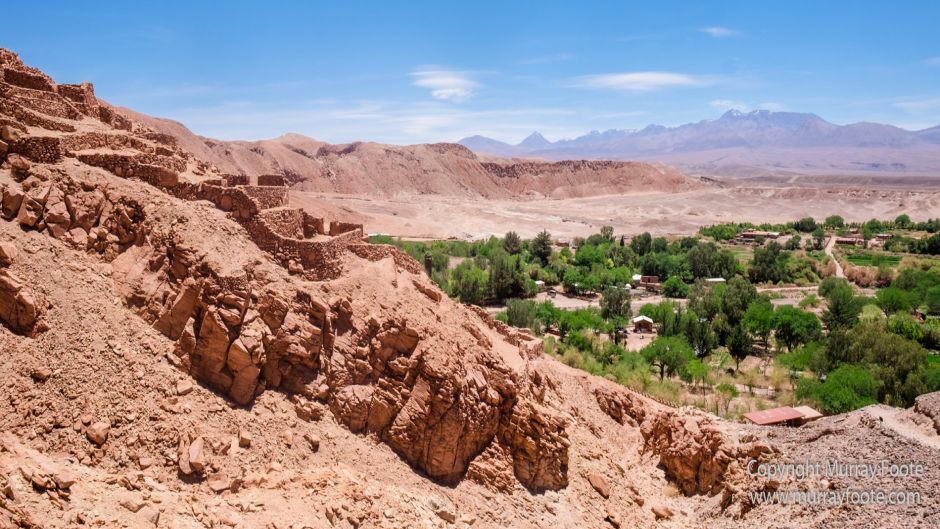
(203, 355)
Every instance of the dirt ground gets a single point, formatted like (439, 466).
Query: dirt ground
(659, 213)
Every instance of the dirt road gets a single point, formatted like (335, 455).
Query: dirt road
(829, 246)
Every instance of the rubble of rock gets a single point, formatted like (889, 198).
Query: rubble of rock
(929, 405)
(695, 452)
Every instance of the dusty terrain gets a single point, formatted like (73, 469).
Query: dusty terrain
(680, 212)
(182, 348)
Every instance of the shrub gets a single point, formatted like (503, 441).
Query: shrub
(521, 313)
(675, 288)
(847, 388)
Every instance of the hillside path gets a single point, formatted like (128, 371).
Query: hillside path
(829, 246)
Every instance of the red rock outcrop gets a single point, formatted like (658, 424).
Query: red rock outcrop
(696, 454)
(250, 312)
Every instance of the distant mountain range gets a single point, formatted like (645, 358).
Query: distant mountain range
(776, 141)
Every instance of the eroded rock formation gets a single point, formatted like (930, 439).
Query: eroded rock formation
(242, 326)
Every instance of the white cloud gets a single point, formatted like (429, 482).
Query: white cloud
(728, 104)
(915, 106)
(560, 57)
(773, 106)
(446, 85)
(933, 61)
(719, 31)
(640, 81)
(341, 121)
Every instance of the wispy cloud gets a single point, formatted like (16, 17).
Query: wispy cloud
(728, 104)
(641, 81)
(743, 106)
(915, 106)
(933, 61)
(548, 59)
(397, 122)
(719, 31)
(446, 85)
(773, 106)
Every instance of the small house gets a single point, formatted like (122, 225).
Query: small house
(642, 324)
(783, 416)
(850, 241)
(809, 414)
(650, 283)
(751, 235)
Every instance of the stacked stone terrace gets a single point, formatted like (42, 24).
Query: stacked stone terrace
(47, 123)
(302, 243)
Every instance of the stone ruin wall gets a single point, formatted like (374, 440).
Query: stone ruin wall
(271, 180)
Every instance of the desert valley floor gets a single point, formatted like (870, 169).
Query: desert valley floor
(659, 212)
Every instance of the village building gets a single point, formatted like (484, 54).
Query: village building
(642, 324)
(850, 241)
(752, 235)
(650, 283)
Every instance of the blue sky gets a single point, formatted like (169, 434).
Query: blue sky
(408, 72)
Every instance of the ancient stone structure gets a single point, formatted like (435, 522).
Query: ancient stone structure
(439, 402)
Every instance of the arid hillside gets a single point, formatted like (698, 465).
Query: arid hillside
(180, 348)
(436, 169)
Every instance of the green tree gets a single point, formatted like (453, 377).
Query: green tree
(835, 221)
(819, 237)
(705, 298)
(794, 326)
(759, 319)
(642, 243)
(521, 313)
(842, 309)
(698, 331)
(806, 224)
(847, 388)
(573, 280)
(793, 243)
(548, 314)
(769, 264)
(736, 298)
(739, 345)
(541, 246)
(607, 232)
(932, 300)
(506, 277)
(707, 260)
(668, 354)
(675, 288)
(615, 308)
(512, 243)
(896, 362)
(725, 393)
(902, 221)
(893, 299)
(469, 282)
(696, 372)
(830, 284)
(905, 325)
